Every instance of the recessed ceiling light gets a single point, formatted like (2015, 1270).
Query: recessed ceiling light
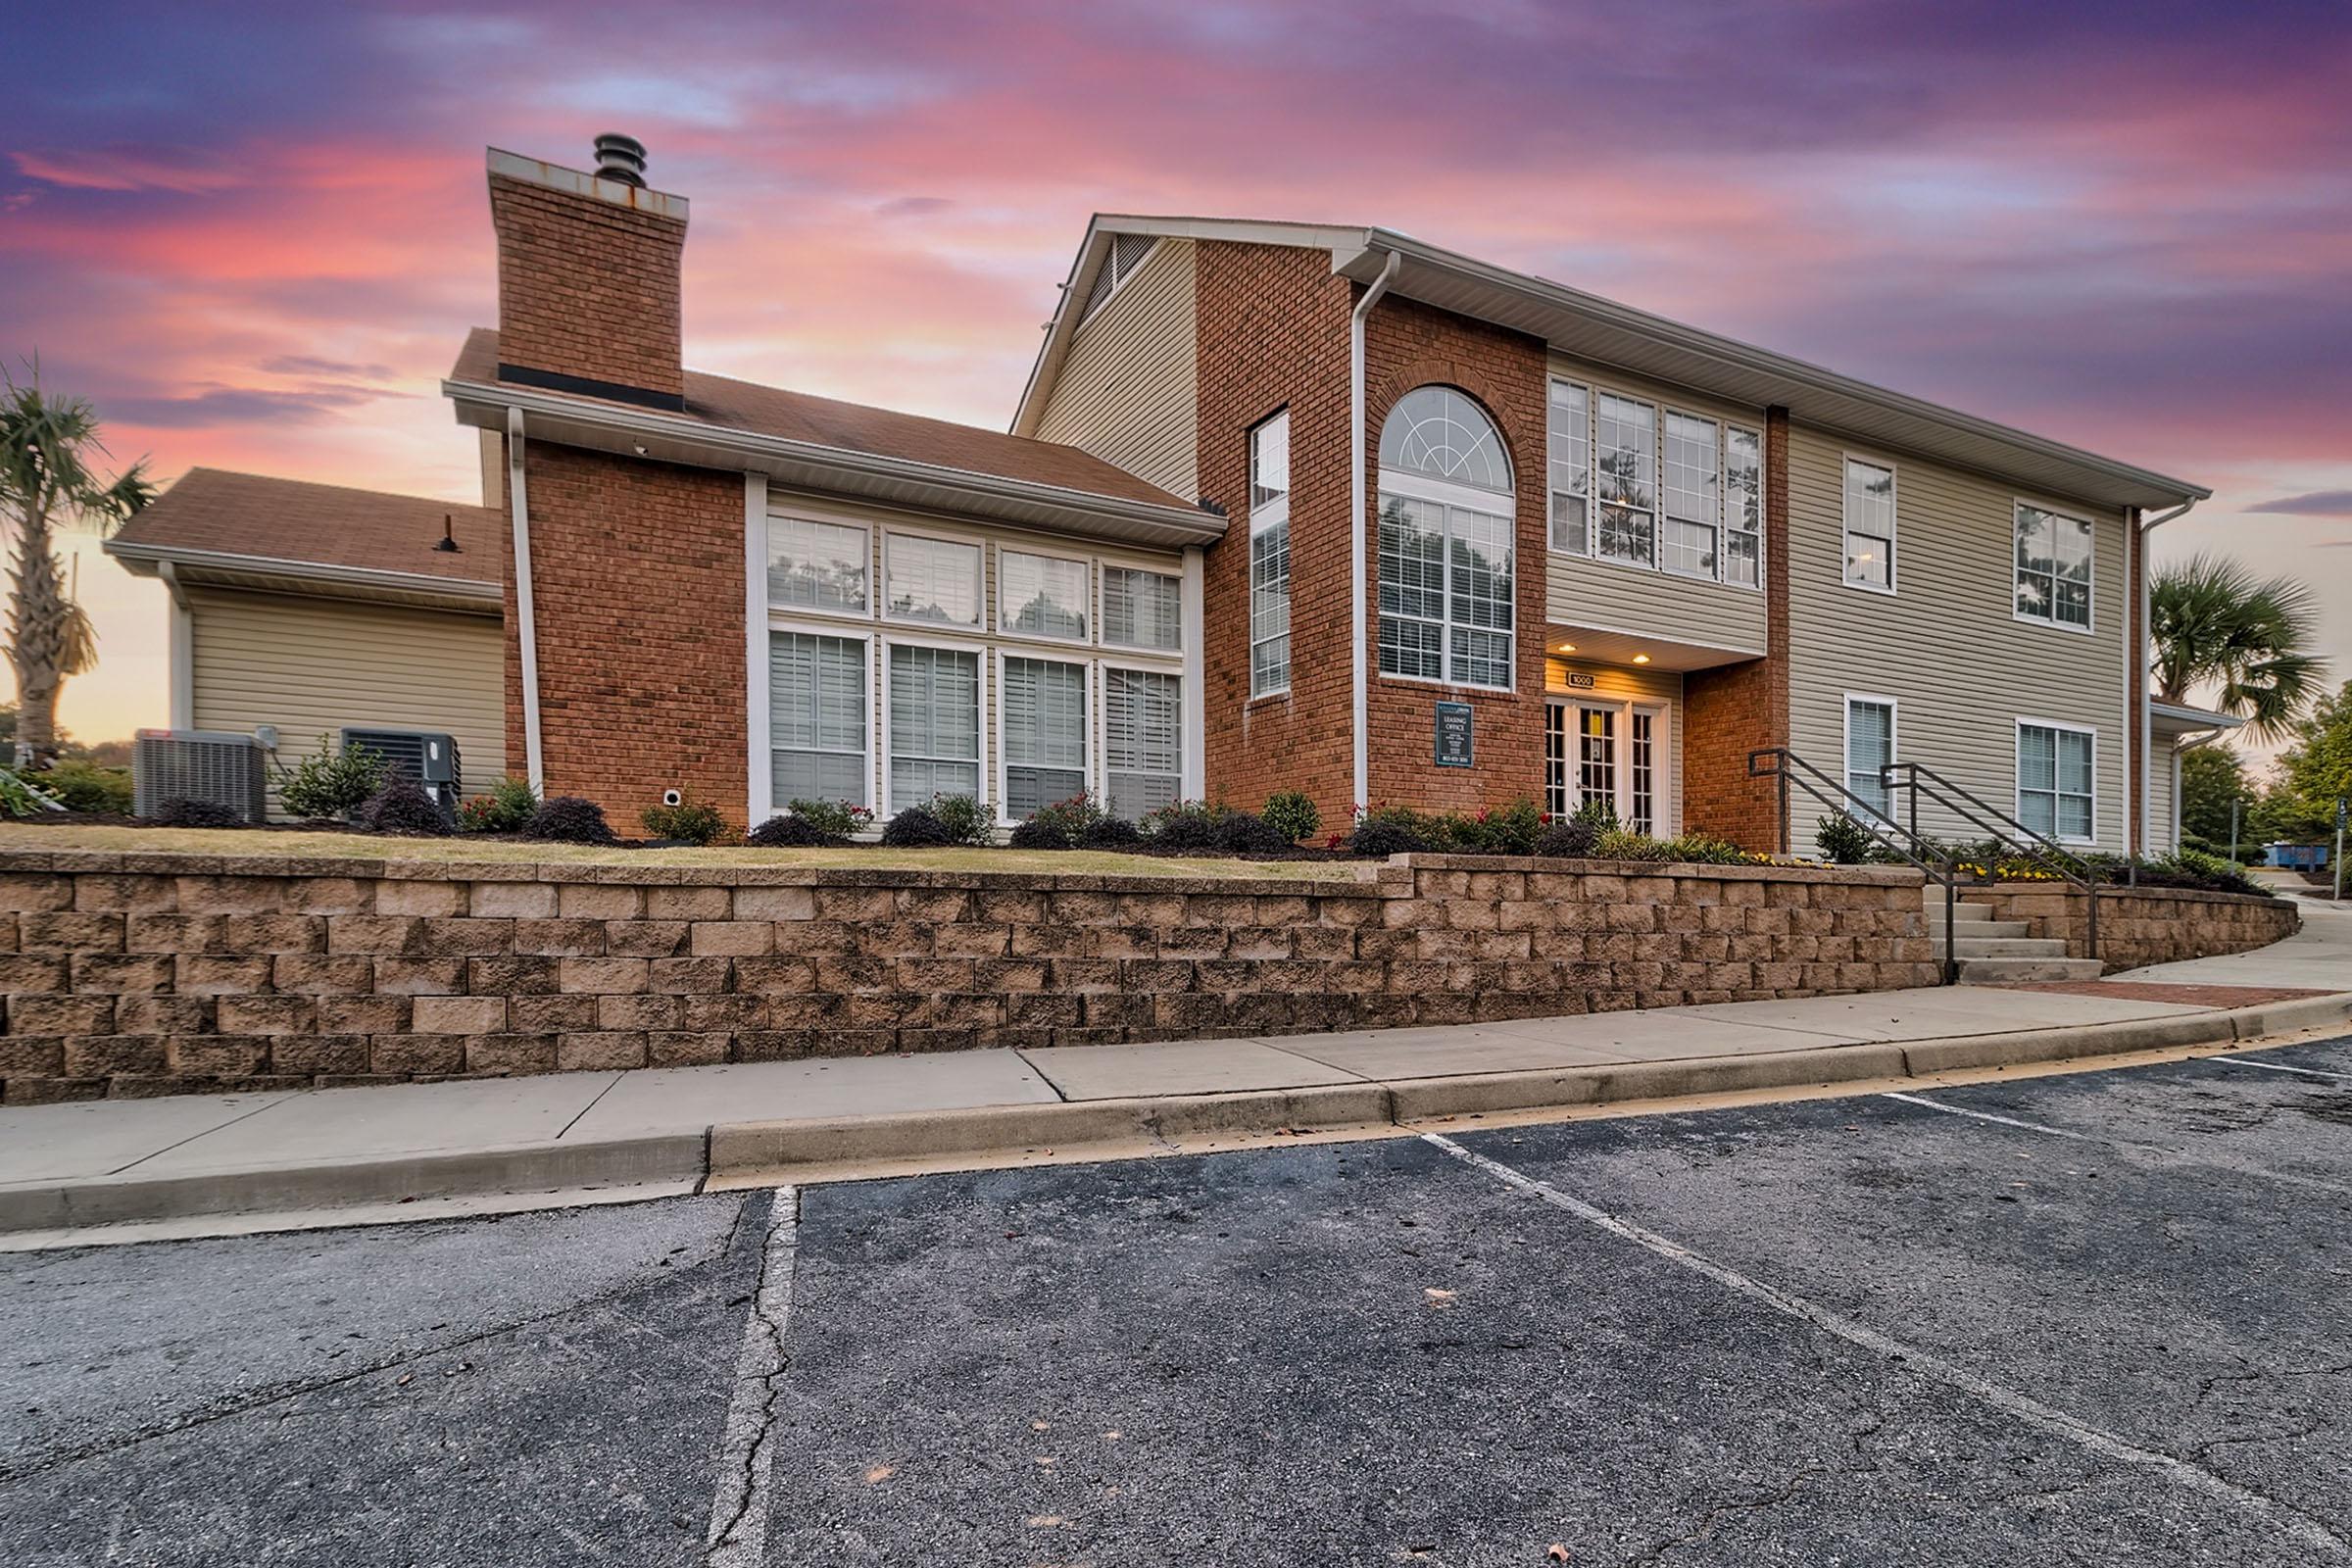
(1567, 647)
(1641, 658)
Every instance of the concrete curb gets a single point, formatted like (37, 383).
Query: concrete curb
(737, 1154)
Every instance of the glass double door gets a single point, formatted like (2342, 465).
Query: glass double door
(1607, 754)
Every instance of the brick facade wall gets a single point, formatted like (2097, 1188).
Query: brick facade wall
(637, 577)
(1736, 709)
(587, 287)
(1271, 331)
(2144, 925)
(144, 974)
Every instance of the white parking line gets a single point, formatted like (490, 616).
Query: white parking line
(1986, 1115)
(2023, 1407)
(738, 1535)
(2274, 1066)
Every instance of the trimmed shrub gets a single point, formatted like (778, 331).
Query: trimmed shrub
(966, 820)
(1570, 838)
(839, 819)
(331, 782)
(792, 831)
(182, 810)
(1042, 832)
(1618, 844)
(689, 821)
(1292, 815)
(1248, 833)
(86, 787)
(1110, 833)
(918, 827)
(1383, 835)
(1697, 849)
(1183, 825)
(570, 819)
(1842, 840)
(1510, 829)
(402, 806)
(503, 809)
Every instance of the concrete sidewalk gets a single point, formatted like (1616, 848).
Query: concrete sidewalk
(554, 1138)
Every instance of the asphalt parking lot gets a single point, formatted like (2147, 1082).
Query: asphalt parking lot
(2084, 1319)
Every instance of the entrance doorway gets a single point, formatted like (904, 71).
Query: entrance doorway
(1601, 752)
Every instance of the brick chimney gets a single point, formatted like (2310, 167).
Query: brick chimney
(588, 277)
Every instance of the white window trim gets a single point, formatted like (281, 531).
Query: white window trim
(2018, 766)
(1102, 566)
(817, 626)
(1894, 522)
(976, 629)
(1469, 498)
(2017, 505)
(792, 513)
(1101, 712)
(883, 809)
(1593, 391)
(1090, 770)
(1264, 518)
(1845, 742)
(1094, 596)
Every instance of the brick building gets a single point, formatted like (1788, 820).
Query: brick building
(1283, 505)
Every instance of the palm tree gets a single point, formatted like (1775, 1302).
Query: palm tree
(48, 482)
(2215, 625)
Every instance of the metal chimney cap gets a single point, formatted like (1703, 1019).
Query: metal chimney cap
(621, 158)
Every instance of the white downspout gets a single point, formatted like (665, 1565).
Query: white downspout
(1192, 620)
(2147, 656)
(1359, 578)
(526, 631)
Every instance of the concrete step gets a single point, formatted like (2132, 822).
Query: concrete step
(2009, 948)
(1965, 929)
(2021, 971)
(1964, 909)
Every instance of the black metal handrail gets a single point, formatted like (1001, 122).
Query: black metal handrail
(2074, 868)
(1787, 770)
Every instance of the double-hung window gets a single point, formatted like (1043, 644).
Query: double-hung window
(1571, 432)
(935, 580)
(1742, 506)
(1691, 537)
(934, 698)
(1042, 732)
(2056, 765)
(2053, 567)
(1869, 525)
(817, 712)
(1143, 728)
(1626, 448)
(1041, 596)
(815, 566)
(1869, 747)
(1142, 609)
(1270, 556)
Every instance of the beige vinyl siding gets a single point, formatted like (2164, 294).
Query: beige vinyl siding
(1620, 683)
(312, 666)
(1946, 644)
(1607, 596)
(1127, 387)
(2164, 803)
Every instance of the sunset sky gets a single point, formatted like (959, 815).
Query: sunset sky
(255, 235)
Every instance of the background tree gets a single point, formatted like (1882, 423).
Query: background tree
(2211, 777)
(2215, 625)
(2316, 771)
(49, 479)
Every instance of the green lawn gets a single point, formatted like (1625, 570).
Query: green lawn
(38, 836)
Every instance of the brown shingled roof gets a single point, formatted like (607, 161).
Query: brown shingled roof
(323, 524)
(729, 404)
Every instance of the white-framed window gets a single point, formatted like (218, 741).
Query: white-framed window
(1742, 506)
(931, 579)
(1869, 525)
(1690, 539)
(819, 709)
(1869, 747)
(815, 564)
(1270, 556)
(1626, 454)
(1570, 459)
(1041, 595)
(1448, 543)
(2053, 567)
(1142, 608)
(1142, 740)
(2057, 774)
(1041, 732)
(931, 702)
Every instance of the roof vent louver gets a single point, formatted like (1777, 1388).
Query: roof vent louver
(620, 158)
(1127, 253)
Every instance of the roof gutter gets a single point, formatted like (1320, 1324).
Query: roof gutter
(1360, 689)
(1174, 524)
(2144, 655)
(133, 550)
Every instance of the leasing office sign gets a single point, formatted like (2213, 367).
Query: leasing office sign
(1452, 745)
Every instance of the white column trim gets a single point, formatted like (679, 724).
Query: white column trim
(181, 664)
(1192, 760)
(527, 629)
(760, 776)
(1359, 578)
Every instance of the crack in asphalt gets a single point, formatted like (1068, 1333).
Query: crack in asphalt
(738, 1535)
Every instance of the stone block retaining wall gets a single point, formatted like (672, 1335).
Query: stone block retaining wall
(2144, 925)
(144, 974)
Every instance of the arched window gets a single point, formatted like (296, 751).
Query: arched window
(1448, 546)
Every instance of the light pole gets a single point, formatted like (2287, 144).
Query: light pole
(2233, 805)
